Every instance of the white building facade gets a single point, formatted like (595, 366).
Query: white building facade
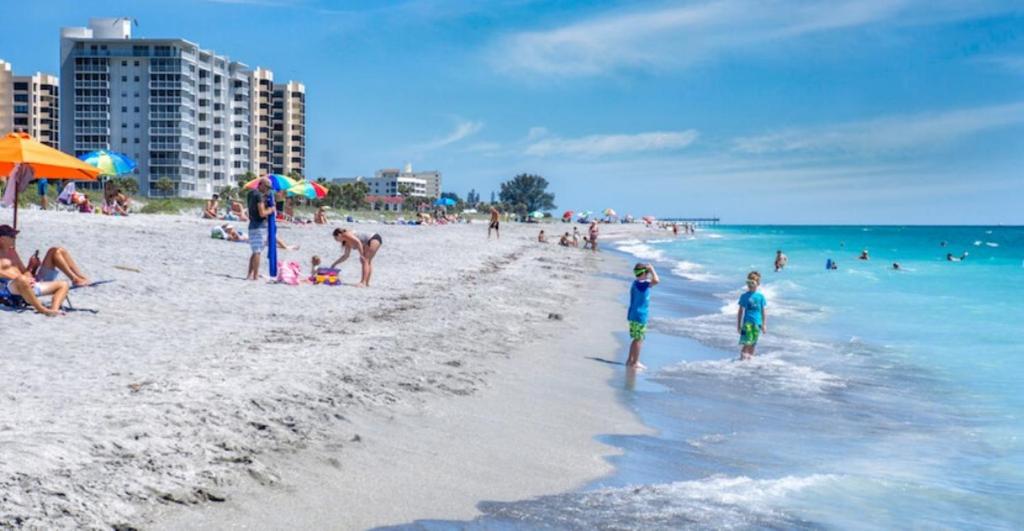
(181, 112)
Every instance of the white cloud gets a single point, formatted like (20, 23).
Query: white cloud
(463, 129)
(677, 36)
(888, 134)
(599, 145)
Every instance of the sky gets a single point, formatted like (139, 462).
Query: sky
(866, 111)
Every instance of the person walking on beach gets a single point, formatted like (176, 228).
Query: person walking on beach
(639, 301)
(780, 260)
(367, 247)
(259, 211)
(495, 224)
(752, 318)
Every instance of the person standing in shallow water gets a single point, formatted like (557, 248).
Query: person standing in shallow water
(639, 302)
(751, 319)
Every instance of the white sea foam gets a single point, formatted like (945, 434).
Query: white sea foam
(718, 502)
(714, 236)
(992, 244)
(692, 271)
(768, 373)
(640, 250)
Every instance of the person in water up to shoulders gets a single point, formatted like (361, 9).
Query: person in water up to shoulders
(639, 301)
(752, 318)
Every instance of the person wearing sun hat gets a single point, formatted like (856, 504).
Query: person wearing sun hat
(639, 301)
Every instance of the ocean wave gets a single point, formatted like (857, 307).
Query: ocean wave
(640, 250)
(714, 236)
(766, 372)
(718, 502)
(692, 271)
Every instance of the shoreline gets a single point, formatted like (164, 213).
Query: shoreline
(534, 432)
(179, 386)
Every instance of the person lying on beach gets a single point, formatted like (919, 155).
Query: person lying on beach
(367, 247)
(752, 318)
(227, 232)
(639, 301)
(211, 208)
(45, 270)
(320, 217)
(542, 238)
(14, 282)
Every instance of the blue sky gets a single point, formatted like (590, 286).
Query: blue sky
(869, 111)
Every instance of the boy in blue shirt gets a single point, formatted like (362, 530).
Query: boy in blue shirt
(751, 320)
(639, 300)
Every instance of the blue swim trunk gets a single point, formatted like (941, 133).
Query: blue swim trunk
(256, 237)
(41, 186)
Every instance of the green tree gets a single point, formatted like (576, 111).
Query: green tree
(127, 185)
(164, 186)
(525, 193)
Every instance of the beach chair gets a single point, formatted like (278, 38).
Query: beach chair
(10, 301)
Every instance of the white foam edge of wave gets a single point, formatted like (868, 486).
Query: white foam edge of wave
(766, 371)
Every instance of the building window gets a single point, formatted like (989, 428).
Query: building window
(124, 63)
(136, 126)
(124, 109)
(136, 140)
(136, 109)
(136, 63)
(124, 79)
(136, 78)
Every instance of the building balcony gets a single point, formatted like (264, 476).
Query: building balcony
(79, 83)
(166, 146)
(92, 115)
(93, 69)
(104, 131)
(165, 100)
(92, 100)
(171, 131)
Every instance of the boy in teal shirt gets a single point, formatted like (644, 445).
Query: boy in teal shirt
(639, 300)
(751, 320)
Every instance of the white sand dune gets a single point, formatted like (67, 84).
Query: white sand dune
(176, 385)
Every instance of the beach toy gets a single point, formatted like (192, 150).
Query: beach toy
(327, 276)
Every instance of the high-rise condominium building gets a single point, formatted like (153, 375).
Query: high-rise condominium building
(181, 112)
(29, 104)
(278, 124)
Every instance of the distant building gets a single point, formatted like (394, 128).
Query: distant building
(30, 104)
(278, 124)
(181, 112)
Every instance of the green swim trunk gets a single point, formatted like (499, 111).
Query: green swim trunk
(637, 330)
(749, 334)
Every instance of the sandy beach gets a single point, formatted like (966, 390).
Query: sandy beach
(180, 396)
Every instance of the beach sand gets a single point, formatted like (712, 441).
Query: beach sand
(181, 396)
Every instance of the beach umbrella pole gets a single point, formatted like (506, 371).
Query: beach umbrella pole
(272, 239)
(16, 194)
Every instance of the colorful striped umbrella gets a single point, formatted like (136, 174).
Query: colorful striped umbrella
(309, 189)
(109, 162)
(277, 182)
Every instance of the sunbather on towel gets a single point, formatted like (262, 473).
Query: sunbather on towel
(56, 259)
(14, 282)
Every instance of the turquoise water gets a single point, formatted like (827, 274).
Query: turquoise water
(879, 399)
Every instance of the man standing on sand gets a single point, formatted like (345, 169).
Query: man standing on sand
(780, 260)
(258, 214)
(639, 301)
(495, 224)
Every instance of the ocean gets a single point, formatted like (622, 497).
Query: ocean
(878, 399)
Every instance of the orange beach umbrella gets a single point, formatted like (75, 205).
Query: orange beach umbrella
(44, 161)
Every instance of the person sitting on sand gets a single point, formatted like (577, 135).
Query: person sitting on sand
(56, 259)
(237, 213)
(564, 241)
(81, 201)
(864, 255)
(367, 247)
(14, 282)
(211, 208)
(542, 238)
(320, 217)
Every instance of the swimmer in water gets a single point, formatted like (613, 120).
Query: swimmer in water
(951, 258)
(896, 266)
(864, 255)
